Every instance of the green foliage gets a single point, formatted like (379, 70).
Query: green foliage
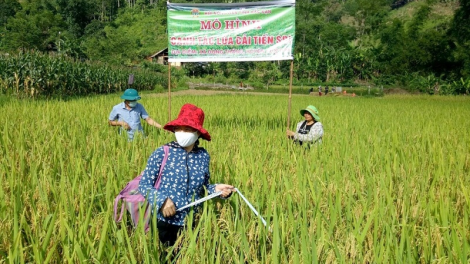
(8, 8)
(425, 84)
(182, 84)
(460, 25)
(77, 15)
(368, 92)
(151, 66)
(35, 26)
(4, 99)
(338, 41)
(461, 86)
(25, 31)
(197, 69)
(158, 88)
(264, 74)
(37, 75)
(460, 31)
(410, 48)
(133, 36)
(368, 15)
(258, 85)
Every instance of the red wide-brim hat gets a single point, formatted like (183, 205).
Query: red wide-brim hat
(191, 116)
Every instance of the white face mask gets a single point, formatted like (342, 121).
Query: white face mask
(132, 104)
(186, 139)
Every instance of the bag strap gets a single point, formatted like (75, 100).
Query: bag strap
(157, 185)
(166, 149)
(116, 202)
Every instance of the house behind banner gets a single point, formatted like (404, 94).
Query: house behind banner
(161, 57)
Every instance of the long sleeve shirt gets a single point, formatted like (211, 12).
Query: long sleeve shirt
(184, 177)
(314, 135)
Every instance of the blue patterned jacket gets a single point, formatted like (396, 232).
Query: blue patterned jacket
(184, 177)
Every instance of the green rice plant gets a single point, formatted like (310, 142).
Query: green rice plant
(389, 183)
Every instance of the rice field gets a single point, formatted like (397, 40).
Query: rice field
(389, 184)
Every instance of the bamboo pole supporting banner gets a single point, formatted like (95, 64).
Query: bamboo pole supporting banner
(290, 93)
(169, 91)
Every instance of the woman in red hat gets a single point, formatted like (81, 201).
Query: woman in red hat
(185, 174)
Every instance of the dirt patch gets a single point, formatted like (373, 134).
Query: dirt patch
(211, 92)
(215, 92)
(395, 91)
(189, 92)
(219, 86)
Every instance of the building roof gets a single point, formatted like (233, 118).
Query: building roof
(165, 50)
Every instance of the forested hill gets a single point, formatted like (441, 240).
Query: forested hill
(377, 41)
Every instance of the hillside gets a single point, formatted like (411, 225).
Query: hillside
(416, 45)
(441, 12)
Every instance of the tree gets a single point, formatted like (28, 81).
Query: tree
(460, 32)
(77, 14)
(22, 33)
(367, 14)
(35, 26)
(271, 74)
(133, 36)
(8, 8)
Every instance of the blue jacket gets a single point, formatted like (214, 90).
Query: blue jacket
(184, 176)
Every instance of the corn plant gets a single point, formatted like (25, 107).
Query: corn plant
(38, 75)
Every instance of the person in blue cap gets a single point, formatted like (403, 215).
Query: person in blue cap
(127, 114)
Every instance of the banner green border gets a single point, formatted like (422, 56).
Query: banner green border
(251, 31)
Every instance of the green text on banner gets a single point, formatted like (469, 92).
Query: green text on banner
(251, 31)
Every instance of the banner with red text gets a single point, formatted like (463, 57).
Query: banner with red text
(254, 31)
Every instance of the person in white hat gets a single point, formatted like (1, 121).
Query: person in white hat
(310, 130)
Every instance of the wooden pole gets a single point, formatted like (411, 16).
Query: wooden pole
(290, 92)
(169, 91)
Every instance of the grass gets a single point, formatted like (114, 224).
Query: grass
(389, 184)
(441, 13)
